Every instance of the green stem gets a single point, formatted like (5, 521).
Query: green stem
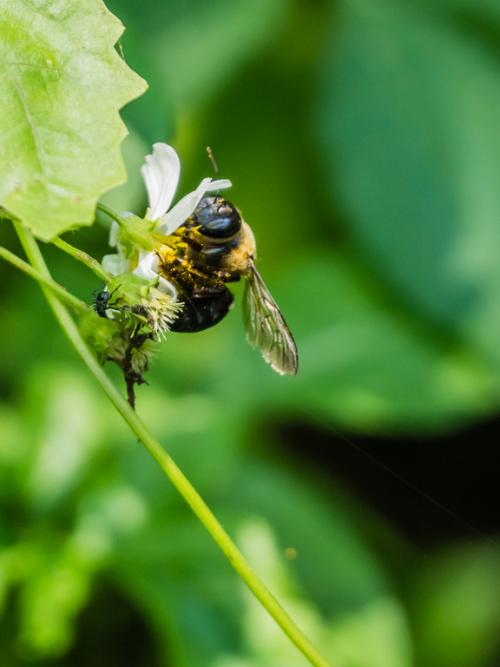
(112, 214)
(83, 257)
(175, 475)
(74, 302)
(137, 238)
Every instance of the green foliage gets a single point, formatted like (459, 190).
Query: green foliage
(190, 50)
(372, 634)
(119, 517)
(389, 372)
(410, 111)
(362, 141)
(456, 607)
(60, 132)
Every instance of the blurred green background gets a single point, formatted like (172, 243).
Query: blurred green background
(363, 141)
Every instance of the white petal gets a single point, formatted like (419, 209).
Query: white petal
(115, 264)
(220, 184)
(147, 268)
(186, 206)
(114, 230)
(166, 287)
(161, 176)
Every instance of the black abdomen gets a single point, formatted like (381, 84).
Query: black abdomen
(202, 311)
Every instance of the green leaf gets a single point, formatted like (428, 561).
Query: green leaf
(409, 119)
(60, 132)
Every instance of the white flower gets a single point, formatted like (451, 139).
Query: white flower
(161, 173)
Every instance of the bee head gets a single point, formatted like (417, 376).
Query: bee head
(217, 218)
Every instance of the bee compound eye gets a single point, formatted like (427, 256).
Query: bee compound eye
(217, 218)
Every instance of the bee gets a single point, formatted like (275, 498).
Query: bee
(212, 248)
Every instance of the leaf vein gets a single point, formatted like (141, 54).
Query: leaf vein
(39, 152)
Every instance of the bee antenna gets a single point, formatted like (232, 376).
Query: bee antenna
(211, 157)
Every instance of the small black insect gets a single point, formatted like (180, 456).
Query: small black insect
(102, 299)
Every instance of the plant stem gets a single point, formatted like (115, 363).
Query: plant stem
(73, 301)
(112, 214)
(175, 475)
(83, 257)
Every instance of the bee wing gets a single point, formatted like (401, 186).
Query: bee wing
(266, 327)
